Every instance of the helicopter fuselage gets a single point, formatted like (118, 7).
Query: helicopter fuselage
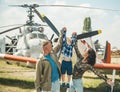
(30, 44)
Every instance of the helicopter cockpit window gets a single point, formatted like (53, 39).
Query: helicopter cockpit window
(42, 36)
(32, 36)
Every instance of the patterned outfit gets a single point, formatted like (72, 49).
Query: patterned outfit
(67, 53)
(78, 71)
(67, 49)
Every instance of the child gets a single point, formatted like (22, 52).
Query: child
(66, 66)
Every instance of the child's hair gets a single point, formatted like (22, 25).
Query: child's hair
(91, 57)
(68, 39)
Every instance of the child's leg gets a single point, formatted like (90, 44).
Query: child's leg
(69, 73)
(63, 70)
(63, 77)
(69, 78)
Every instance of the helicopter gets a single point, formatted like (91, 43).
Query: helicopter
(29, 33)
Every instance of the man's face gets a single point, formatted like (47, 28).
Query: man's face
(48, 48)
(49, 45)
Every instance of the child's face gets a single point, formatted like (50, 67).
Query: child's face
(68, 40)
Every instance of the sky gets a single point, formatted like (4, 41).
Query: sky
(72, 18)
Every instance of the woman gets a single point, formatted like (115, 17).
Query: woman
(84, 62)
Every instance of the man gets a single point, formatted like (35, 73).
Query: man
(48, 68)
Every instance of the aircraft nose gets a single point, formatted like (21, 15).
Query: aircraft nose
(35, 42)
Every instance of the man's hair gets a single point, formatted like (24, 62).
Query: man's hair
(45, 42)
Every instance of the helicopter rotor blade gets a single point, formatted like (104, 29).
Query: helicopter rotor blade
(11, 29)
(50, 24)
(39, 15)
(24, 5)
(65, 6)
(74, 6)
(11, 25)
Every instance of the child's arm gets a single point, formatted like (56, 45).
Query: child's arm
(73, 38)
(64, 35)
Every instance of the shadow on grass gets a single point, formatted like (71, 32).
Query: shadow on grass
(17, 83)
(104, 87)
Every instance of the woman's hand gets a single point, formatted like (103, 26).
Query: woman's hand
(109, 81)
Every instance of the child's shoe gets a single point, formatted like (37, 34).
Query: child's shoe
(68, 85)
(63, 84)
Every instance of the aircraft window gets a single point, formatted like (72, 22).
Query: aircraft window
(42, 36)
(31, 36)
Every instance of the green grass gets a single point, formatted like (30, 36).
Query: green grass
(15, 78)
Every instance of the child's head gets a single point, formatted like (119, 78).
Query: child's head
(68, 39)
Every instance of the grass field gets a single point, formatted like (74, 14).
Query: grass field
(15, 78)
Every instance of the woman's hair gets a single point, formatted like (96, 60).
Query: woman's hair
(91, 57)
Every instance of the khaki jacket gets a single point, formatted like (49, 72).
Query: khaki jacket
(44, 69)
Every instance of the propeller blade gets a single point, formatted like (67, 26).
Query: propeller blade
(39, 15)
(85, 35)
(50, 25)
(89, 34)
(11, 29)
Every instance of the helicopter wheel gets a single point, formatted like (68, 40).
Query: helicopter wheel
(8, 62)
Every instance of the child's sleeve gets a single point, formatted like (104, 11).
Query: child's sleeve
(64, 38)
(74, 37)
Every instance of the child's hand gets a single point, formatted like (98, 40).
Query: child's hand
(74, 34)
(64, 29)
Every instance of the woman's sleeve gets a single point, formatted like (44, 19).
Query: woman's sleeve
(77, 51)
(98, 73)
